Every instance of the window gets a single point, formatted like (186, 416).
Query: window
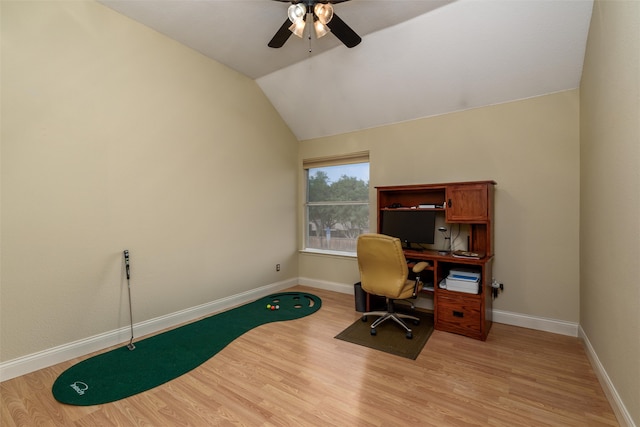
(337, 202)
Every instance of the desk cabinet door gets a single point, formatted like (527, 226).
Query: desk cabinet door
(467, 203)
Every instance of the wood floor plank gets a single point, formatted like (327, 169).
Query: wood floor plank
(295, 373)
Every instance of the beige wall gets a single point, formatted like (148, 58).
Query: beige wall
(115, 137)
(610, 195)
(530, 148)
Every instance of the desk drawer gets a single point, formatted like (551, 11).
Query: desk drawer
(459, 314)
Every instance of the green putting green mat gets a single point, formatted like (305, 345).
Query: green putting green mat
(122, 372)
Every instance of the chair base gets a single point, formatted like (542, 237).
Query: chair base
(391, 314)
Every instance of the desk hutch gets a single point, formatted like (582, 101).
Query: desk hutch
(468, 203)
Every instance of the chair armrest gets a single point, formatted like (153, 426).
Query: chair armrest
(420, 266)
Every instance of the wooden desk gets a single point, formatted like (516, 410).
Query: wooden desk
(466, 203)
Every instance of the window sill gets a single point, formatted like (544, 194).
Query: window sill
(329, 253)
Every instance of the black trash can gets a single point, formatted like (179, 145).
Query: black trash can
(375, 302)
(360, 297)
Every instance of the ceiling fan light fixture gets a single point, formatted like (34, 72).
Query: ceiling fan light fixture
(297, 28)
(321, 29)
(324, 12)
(319, 14)
(297, 12)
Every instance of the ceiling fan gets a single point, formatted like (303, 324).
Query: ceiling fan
(320, 13)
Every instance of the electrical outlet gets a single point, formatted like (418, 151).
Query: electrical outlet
(277, 267)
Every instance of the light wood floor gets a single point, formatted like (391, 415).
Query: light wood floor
(296, 374)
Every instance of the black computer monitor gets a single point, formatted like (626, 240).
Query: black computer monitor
(412, 227)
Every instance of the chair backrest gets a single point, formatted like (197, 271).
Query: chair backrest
(383, 267)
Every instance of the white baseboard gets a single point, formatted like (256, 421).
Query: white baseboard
(623, 416)
(33, 362)
(327, 286)
(561, 327)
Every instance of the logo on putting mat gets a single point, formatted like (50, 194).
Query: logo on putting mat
(79, 387)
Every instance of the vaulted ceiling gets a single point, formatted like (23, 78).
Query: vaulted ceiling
(417, 58)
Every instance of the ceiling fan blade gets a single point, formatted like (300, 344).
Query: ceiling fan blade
(343, 32)
(281, 36)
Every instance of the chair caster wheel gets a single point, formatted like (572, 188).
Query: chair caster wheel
(373, 331)
(409, 335)
(363, 318)
(416, 322)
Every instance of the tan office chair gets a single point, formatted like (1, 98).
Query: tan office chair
(384, 272)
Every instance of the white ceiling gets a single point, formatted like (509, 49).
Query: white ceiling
(418, 58)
